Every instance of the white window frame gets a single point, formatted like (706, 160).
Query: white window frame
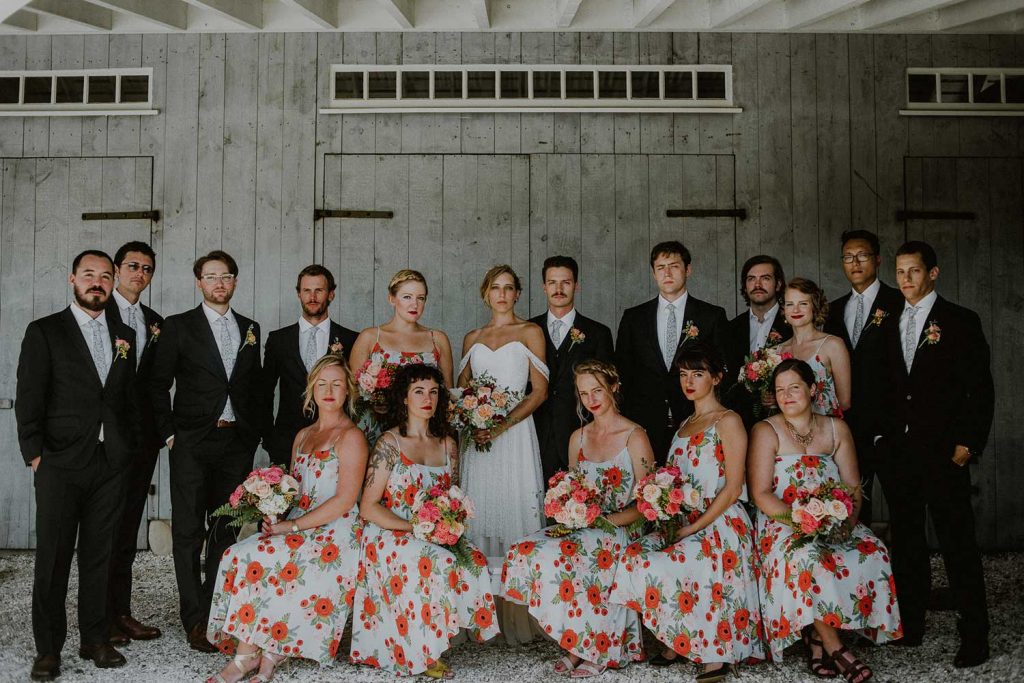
(528, 104)
(969, 108)
(52, 108)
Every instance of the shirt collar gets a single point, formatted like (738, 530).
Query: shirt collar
(123, 303)
(213, 316)
(924, 304)
(305, 325)
(871, 292)
(679, 303)
(769, 315)
(83, 318)
(569, 318)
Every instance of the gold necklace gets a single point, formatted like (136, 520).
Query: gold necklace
(802, 439)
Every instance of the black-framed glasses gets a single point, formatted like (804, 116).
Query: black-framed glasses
(135, 266)
(859, 257)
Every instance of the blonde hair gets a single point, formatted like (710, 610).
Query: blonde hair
(606, 374)
(331, 359)
(493, 274)
(403, 276)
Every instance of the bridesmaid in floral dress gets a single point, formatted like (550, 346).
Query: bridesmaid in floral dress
(566, 582)
(287, 592)
(816, 589)
(699, 595)
(412, 598)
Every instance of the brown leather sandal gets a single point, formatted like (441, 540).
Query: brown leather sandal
(821, 667)
(853, 670)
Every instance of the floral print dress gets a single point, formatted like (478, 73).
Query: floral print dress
(847, 585)
(825, 400)
(411, 598)
(565, 582)
(291, 594)
(698, 596)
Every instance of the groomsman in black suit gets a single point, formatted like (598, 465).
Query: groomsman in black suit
(571, 339)
(650, 336)
(78, 420)
(762, 284)
(862, 318)
(936, 420)
(290, 354)
(212, 355)
(134, 265)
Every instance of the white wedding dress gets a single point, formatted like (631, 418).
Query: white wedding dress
(506, 483)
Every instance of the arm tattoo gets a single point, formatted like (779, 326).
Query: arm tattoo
(385, 455)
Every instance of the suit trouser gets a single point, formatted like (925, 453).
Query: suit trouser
(85, 503)
(914, 481)
(138, 480)
(867, 463)
(202, 478)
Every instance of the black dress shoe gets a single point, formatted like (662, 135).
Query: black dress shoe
(46, 667)
(971, 653)
(117, 637)
(103, 656)
(135, 629)
(197, 639)
(909, 641)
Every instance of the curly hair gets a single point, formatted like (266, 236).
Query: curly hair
(309, 403)
(606, 374)
(493, 274)
(398, 411)
(819, 302)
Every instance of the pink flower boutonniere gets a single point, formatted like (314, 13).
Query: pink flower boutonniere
(690, 331)
(336, 346)
(154, 333)
(878, 317)
(774, 338)
(250, 337)
(121, 348)
(932, 334)
(576, 337)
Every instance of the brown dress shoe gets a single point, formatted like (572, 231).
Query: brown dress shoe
(118, 638)
(197, 639)
(103, 656)
(46, 668)
(135, 629)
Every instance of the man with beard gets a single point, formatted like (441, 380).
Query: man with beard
(291, 353)
(762, 284)
(212, 355)
(78, 423)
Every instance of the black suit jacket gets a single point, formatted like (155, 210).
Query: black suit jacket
(61, 403)
(154, 322)
(282, 364)
(187, 356)
(737, 343)
(869, 360)
(556, 418)
(947, 398)
(650, 389)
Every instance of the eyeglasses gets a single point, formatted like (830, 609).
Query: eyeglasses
(859, 257)
(226, 278)
(135, 267)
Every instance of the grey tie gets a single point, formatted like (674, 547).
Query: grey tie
(228, 352)
(909, 336)
(99, 350)
(556, 332)
(311, 354)
(134, 324)
(858, 320)
(671, 335)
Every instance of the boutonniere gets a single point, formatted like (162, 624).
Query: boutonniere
(690, 331)
(121, 348)
(878, 317)
(250, 337)
(774, 338)
(576, 336)
(336, 346)
(932, 334)
(154, 333)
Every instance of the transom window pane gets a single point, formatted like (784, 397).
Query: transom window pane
(1015, 89)
(513, 85)
(448, 85)
(645, 85)
(70, 89)
(579, 84)
(986, 89)
(481, 84)
(611, 85)
(134, 88)
(954, 88)
(921, 87)
(710, 85)
(348, 85)
(37, 90)
(383, 85)
(678, 85)
(10, 90)
(547, 84)
(415, 85)
(101, 89)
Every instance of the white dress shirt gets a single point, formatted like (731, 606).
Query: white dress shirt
(133, 310)
(323, 337)
(84, 319)
(213, 318)
(567, 320)
(680, 306)
(924, 308)
(850, 314)
(760, 329)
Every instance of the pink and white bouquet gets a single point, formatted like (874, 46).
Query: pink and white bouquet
(756, 375)
(439, 516)
(480, 405)
(373, 380)
(665, 497)
(820, 513)
(266, 492)
(574, 502)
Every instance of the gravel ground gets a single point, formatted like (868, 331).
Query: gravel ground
(169, 658)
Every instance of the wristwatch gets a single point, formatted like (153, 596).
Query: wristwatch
(295, 528)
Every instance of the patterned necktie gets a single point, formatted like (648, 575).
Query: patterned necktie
(310, 356)
(228, 352)
(858, 320)
(556, 332)
(671, 335)
(99, 350)
(132, 320)
(909, 336)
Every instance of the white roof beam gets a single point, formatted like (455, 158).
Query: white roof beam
(978, 10)
(247, 13)
(481, 14)
(9, 7)
(75, 11)
(877, 14)
(565, 12)
(402, 11)
(26, 21)
(646, 12)
(323, 13)
(725, 12)
(800, 13)
(1014, 23)
(172, 14)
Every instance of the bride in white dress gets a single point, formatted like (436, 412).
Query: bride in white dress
(506, 482)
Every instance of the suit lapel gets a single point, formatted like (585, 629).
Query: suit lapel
(292, 340)
(74, 333)
(244, 324)
(205, 333)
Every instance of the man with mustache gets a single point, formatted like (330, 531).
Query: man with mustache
(571, 338)
(291, 353)
(78, 429)
(211, 355)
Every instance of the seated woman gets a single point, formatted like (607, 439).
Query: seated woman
(817, 588)
(565, 582)
(287, 592)
(412, 598)
(698, 595)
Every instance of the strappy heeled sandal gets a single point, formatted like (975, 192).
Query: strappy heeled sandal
(439, 671)
(563, 665)
(821, 666)
(245, 664)
(853, 670)
(715, 675)
(274, 659)
(587, 669)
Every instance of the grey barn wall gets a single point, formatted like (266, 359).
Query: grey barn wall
(240, 151)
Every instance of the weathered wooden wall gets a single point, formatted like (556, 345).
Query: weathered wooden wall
(241, 157)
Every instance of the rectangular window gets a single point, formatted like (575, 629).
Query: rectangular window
(514, 85)
(645, 85)
(416, 85)
(77, 92)
(547, 84)
(447, 85)
(960, 91)
(383, 85)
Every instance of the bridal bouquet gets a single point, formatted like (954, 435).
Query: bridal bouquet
(373, 380)
(756, 375)
(664, 496)
(266, 492)
(439, 516)
(575, 503)
(819, 513)
(482, 404)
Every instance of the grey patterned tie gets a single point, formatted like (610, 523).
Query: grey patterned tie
(556, 332)
(858, 320)
(99, 350)
(134, 324)
(671, 335)
(228, 352)
(909, 336)
(311, 355)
